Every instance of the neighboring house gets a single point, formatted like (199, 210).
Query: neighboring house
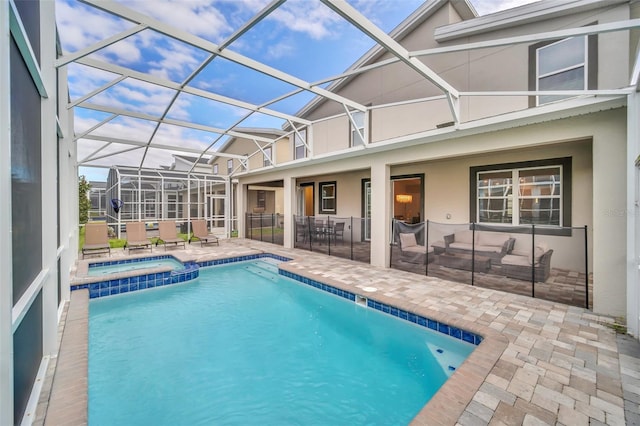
(258, 154)
(486, 142)
(188, 163)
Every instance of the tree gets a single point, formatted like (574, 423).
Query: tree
(83, 197)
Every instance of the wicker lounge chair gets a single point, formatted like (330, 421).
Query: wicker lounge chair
(412, 252)
(137, 237)
(199, 229)
(524, 266)
(168, 234)
(96, 239)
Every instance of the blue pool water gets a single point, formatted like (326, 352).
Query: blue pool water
(94, 271)
(243, 345)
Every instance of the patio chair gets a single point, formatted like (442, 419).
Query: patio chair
(137, 237)
(338, 232)
(199, 229)
(168, 234)
(412, 252)
(302, 229)
(96, 239)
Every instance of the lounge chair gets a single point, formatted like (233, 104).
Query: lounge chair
(199, 229)
(168, 234)
(412, 252)
(137, 237)
(96, 239)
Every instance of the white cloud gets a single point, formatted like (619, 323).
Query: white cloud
(282, 49)
(81, 26)
(199, 17)
(313, 19)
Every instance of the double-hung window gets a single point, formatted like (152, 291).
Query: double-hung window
(563, 65)
(299, 148)
(327, 197)
(523, 195)
(357, 131)
(266, 161)
(229, 166)
(215, 169)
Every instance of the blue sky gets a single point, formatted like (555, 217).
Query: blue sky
(303, 38)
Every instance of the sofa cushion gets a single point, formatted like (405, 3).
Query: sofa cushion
(461, 246)
(515, 260)
(492, 239)
(407, 240)
(417, 249)
(491, 249)
(465, 237)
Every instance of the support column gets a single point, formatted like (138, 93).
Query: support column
(633, 215)
(49, 183)
(380, 214)
(241, 203)
(6, 276)
(289, 211)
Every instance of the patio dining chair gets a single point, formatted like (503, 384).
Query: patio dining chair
(137, 237)
(200, 232)
(96, 239)
(337, 231)
(168, 234)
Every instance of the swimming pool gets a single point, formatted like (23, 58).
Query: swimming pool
(116, 266)
(243, 345)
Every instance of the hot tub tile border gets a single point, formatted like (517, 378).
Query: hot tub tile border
(158, 279)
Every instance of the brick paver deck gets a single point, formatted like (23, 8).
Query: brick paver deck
(540, 363)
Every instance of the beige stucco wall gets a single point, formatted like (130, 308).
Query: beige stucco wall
(447, 189)
(497, 69)
(596, 197)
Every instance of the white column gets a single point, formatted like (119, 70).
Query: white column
(49, 180)
(633, 215)
(289, 211)
(6, 276)
(68, 183)
(241, 203)
(380, 213)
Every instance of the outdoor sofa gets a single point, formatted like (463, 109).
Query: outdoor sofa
(494, 245)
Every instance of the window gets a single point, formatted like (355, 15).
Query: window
(356, 139)
(215, 169)
(229, 166)
(523, 193)
(568, 64)
(262, 199)
(327, 197)
(267, 157)
(299, 148)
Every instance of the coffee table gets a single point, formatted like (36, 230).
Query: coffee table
(463, 261)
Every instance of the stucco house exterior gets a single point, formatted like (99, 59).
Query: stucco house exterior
(459, 153)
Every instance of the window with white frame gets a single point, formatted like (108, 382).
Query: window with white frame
(266, 161)
(229, 166)
(356, 132)
(215, 169)
(521, 196)
(299, 148)
(562, 65)
(327, 197)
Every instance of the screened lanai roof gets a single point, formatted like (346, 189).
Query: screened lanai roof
(149, 79)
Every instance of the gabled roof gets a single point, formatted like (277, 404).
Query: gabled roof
(258, 131)
(464, 8)
(192, 159)
(526, 14)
